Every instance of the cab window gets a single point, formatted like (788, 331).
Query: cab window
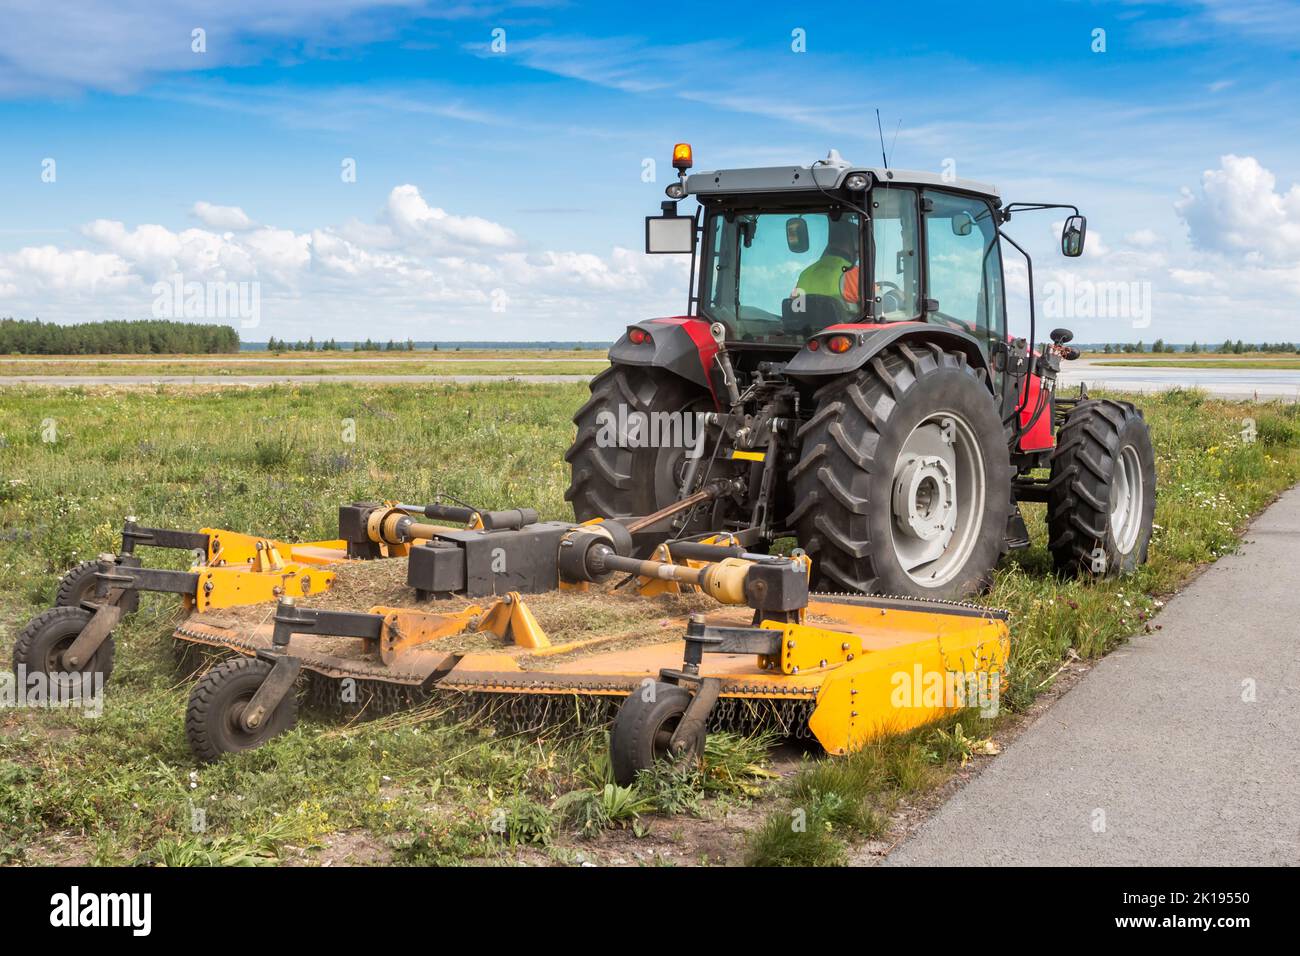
(964, 264)
(894, 241)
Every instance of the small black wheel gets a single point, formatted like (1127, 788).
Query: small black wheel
(1102, 497)
(644, 727)
(41, 644)
(212, 720)
(77, 585)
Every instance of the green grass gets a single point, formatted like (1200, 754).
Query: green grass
(344, 363)
(1193, 362)
(276, 460)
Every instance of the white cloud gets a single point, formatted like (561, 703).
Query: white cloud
(413, 218)
(222, 217)
(1239, 210)
(419, 270)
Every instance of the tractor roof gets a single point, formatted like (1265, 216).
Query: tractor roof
(826, 174)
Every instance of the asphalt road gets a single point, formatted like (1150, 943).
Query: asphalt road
(1261, 383)
(1157, 742)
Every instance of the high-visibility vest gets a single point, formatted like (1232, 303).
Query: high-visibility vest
(823, 277)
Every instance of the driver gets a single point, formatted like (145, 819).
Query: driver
(836, 272)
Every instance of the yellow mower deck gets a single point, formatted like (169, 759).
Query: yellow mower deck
(865, 666)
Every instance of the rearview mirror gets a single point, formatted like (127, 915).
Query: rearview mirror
(669, 234)
(1076, 227)
(962, 223)
(796, 235)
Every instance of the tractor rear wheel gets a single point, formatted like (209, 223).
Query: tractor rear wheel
(616, 468)
(1102, 495)
(644, 727)
(904, 480)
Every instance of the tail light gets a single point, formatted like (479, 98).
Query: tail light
(813, 345)
(638, 336)
(839, 344)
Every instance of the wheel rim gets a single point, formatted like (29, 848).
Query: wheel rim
(1126, 495)
(60, 675)
(662, 737)
(937, 501)
(234, 716)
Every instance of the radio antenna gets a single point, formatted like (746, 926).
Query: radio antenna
(883, 158)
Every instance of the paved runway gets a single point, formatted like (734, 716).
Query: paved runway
(1177, 749)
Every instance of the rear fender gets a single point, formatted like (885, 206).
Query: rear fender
(869, 340)
(681, 345)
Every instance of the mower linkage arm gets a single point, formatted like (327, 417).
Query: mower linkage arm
(701, 639)
(133, 534)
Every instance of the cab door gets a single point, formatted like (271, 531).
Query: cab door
(963, 266)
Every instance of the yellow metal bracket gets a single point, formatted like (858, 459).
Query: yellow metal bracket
(239, 585)
(805, 647)
(510, 619)
(406, 628)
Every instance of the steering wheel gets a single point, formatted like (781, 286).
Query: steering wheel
(892, 300)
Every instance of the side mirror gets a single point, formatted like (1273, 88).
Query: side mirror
(796, 235)
(962, 223)
(1076, 227)
(666, 235)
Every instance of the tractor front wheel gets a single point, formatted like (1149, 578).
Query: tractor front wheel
(903, 485)
(1102, 497)
(213, 720)
(643, 730)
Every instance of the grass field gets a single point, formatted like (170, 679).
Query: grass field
(1247, 360)
(122, 788)
(269, 367)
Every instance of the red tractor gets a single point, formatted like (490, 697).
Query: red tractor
(844, 376)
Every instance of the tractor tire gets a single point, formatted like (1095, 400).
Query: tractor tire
(1101, 498)
(610, 479)
(212, 718)
(77, 587)
(642, 729)
(903, 484)
(40, 646)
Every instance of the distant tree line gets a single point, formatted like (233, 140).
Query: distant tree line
(329, 345)
(142, 337)
(1229, 347)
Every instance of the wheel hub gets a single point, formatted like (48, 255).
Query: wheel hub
(937, 500)
(925, 499)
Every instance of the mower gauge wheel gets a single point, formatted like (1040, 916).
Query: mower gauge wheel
(42, 643)
(213, 724)
(644, 727)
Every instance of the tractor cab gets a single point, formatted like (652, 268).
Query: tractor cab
(784, 252)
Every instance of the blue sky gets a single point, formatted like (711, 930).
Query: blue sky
(500, 194)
